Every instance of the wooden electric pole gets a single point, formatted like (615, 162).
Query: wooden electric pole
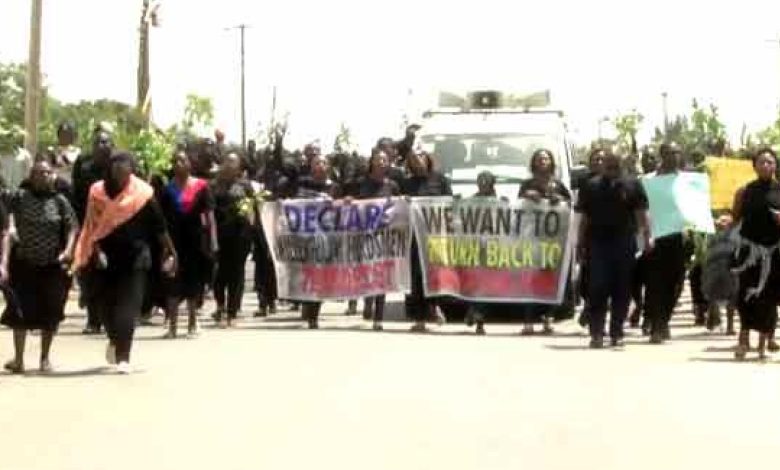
(242, 28)
(32, 99)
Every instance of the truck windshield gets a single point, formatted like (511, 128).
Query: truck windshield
(509, 153)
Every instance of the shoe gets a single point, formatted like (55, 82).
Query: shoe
(527, 330)
(272, 308)
(111, 354)
(222, 324)
(480, 329)
(261, 312)
(548, 330)
(378, 327)
(635, 317)
(123, 368)
(617, 343)
(46, 367)
(656, 338)
(469, 320)
(773, 347)
(596, 343)
(583, 320)
(91, 330)
(666, 334)
(14, 367)
(440, 318)
(418, 328)
(169, 335)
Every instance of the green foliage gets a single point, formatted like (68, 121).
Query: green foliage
(154, 150)
(771, 135)
(627, 126)
(198, 114)
(12, 79)
(343, 141)
(702, 132)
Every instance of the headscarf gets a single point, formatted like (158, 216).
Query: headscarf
(105, 214)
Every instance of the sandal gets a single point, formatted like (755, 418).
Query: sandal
(14, 367)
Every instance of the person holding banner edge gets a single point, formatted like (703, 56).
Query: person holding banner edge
(316, 185)
(376, 184)
(542, 185)
(422, 180)
(613, 208)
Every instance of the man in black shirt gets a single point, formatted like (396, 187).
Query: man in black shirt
(88, 170)
(613, 209)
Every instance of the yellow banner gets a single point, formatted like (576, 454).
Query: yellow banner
(727, 175)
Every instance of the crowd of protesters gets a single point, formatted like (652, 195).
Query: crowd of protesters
(139, 243)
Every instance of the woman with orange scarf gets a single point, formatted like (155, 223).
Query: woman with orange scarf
(122, 218)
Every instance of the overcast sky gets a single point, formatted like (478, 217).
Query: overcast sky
(353, 61)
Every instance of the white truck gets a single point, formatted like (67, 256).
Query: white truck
(494, 131)
(498, 132)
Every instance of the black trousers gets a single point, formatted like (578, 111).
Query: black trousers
(697, 295)
(611, 266)
(119, 301)
(265, 274)
(231, 271)
(418, 308)
(376, 306)
(88, 283)
(638, 284)
(665, 276)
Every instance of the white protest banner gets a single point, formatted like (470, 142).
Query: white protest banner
(326, 250)
(485, 249)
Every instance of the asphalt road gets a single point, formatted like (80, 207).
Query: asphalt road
(270, 394)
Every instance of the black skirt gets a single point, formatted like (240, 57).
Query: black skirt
(41, 293)
(759, 313)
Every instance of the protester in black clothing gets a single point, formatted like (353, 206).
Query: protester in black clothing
(122, 217)
(188, 207)
(234, 200)
(596, 168)
(88, 170)
(316, 186)
(665, 263)
(613, 209)
(486, 188)
(46, 230)
(395, 170)
(422, 180)
(757, 209)
(374, 185)
(542, 186)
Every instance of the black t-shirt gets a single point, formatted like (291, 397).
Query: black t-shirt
(86, 172)
(127, 247)
(611, 206)
(759, 198)
(554, 187)
(370, 188)
(433, 184)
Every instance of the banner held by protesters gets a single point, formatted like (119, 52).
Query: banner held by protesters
(492, 250)
(325, 250)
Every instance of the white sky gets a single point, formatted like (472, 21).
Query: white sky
(353, 61)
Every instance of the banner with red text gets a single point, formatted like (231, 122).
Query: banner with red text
(330, 250)
(488, 250)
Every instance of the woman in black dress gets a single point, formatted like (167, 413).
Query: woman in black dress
(374, 185)
(234, 236)
(757, 210)
(423, 181)
(188, 207)
(121, 220)
(316, 185)
(36, 266)
(542, 185)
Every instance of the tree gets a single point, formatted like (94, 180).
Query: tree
(771, 135)
(627, 126)
(343, 141)
(12, 85)
(702, 132)
(198, 115)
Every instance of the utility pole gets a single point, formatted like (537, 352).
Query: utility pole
(665, 98)
(149, 17)
(32, 99)
(242, 28)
